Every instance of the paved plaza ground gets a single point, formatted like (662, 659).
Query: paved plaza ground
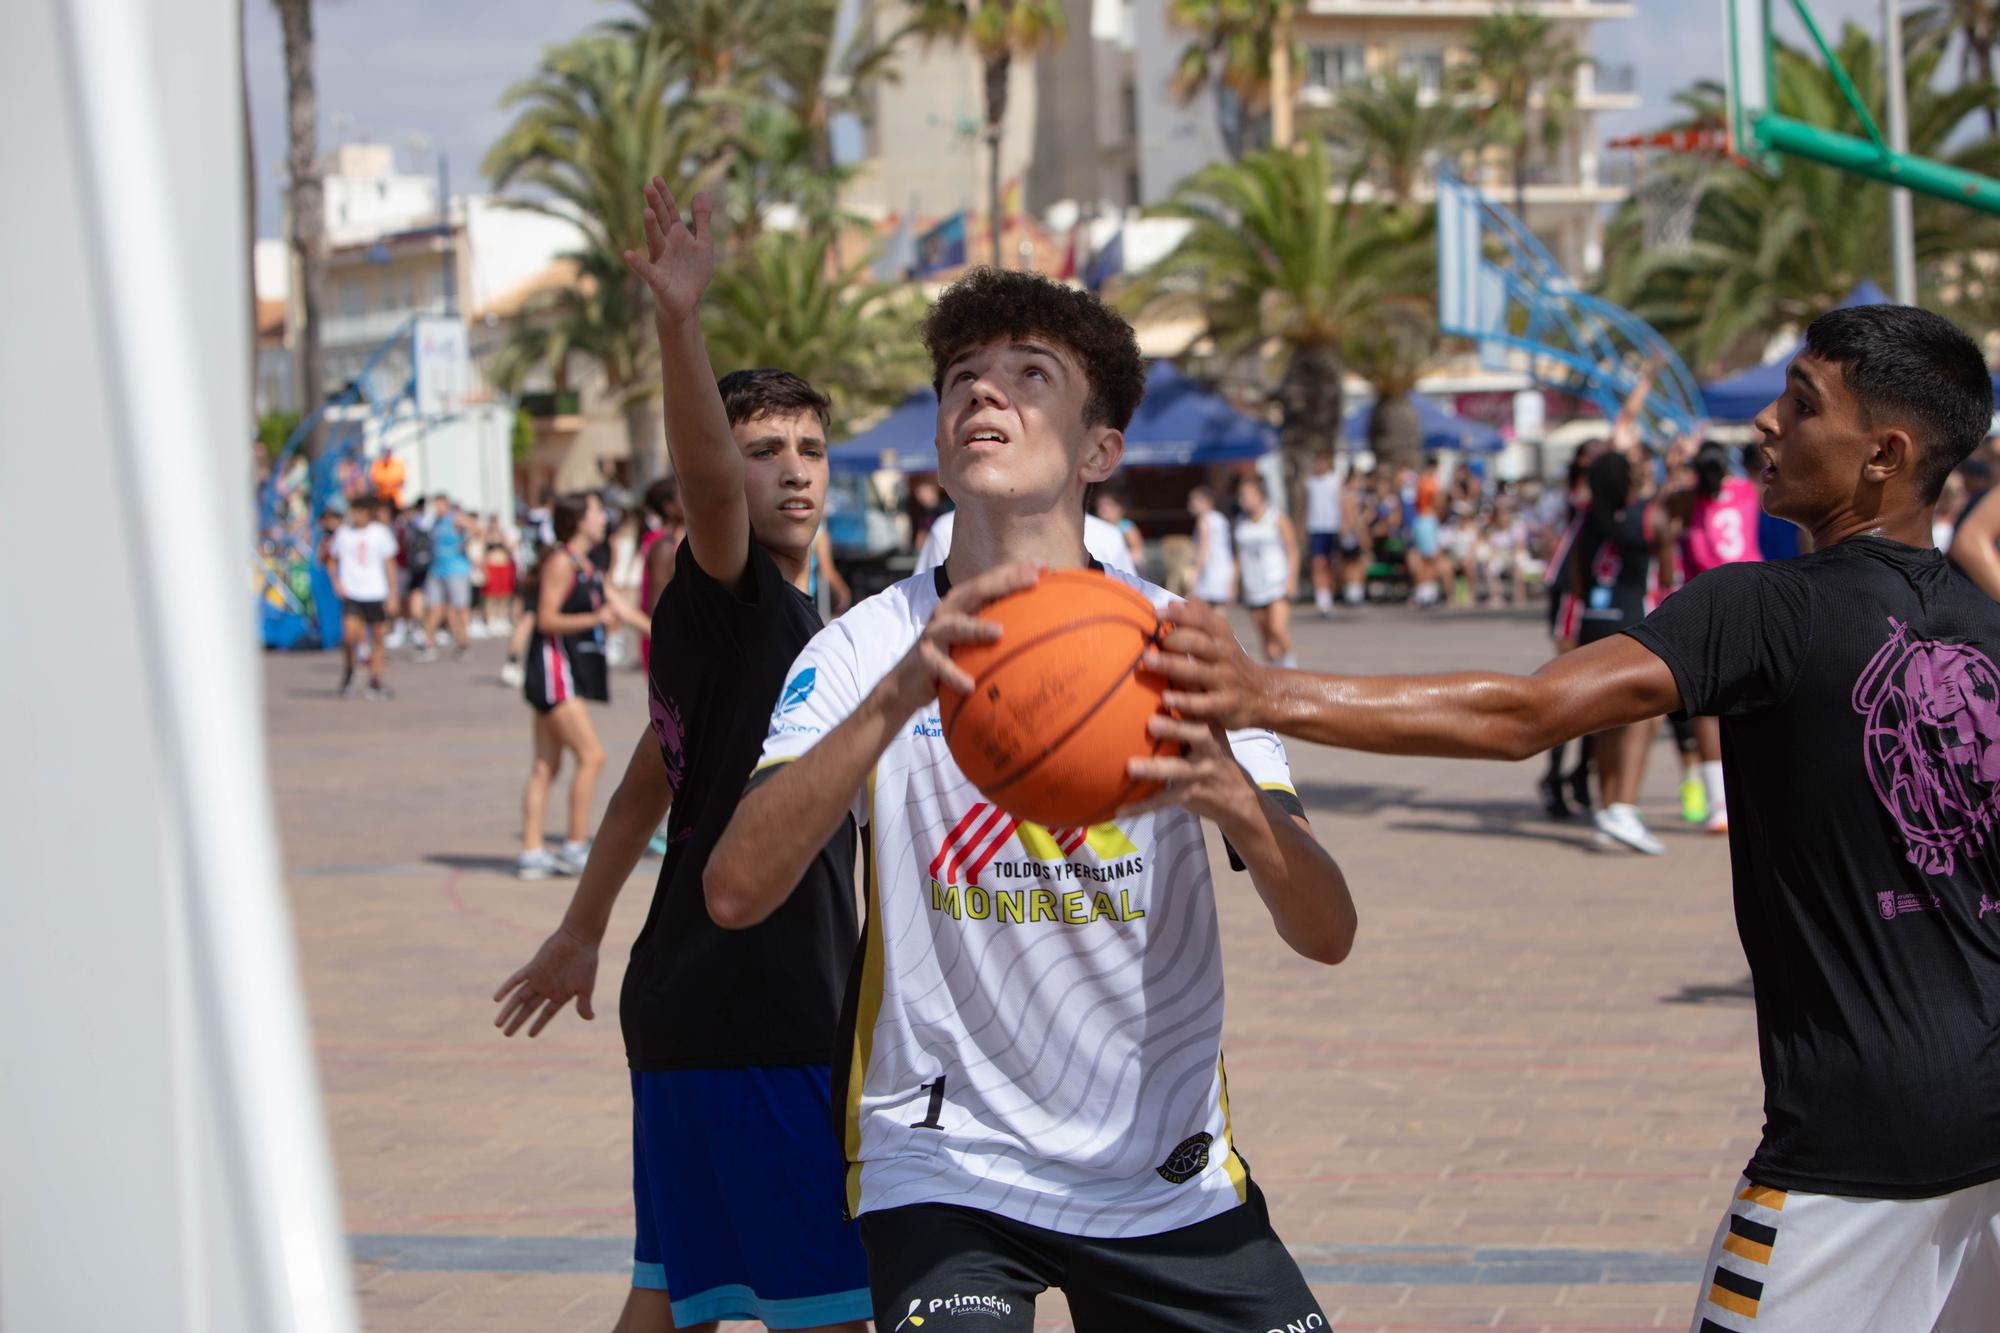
(1520, 1105)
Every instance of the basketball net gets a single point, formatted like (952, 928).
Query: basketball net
(1673, 170)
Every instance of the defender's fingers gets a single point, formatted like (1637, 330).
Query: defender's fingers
(1202, 706)
(549, 1010)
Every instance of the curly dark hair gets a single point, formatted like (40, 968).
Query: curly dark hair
(749, 394)
(991, 303)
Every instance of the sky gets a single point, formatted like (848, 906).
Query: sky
(391, 70)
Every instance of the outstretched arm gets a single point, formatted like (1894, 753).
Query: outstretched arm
(1465, 715)
(1625, 426)
(679, 260)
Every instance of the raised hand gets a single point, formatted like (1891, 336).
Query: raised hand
(680, 256)
(564, 968)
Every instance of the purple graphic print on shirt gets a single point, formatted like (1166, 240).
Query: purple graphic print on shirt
(667, 729)
(1932, 744)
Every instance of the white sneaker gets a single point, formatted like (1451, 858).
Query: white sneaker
(1718, 821)
(1620, 824)
(572, 856)
(510, 675)
(538, 864)
(397, 636)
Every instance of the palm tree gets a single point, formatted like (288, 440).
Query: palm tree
(593, 125)
(1391, 351)
(598, 318)
(1977, 24)
(1525, 69)
(1393, 136)
(1274, 263)
(786, 303)
(1772, 250)
(306, 202)
(1231, 51)
(999, 32)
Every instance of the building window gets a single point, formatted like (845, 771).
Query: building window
(1425, 68)
(1336, 67)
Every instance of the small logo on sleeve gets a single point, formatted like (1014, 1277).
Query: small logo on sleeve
(797, 690)
(1188, 1160)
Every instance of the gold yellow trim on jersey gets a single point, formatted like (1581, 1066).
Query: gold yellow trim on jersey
(1232, 1165)
(868, 1012)
(773, 763)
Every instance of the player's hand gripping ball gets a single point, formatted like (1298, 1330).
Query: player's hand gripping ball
(1059, 704)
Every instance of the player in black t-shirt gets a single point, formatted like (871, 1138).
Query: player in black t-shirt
(737, 1176)
(1860, 704)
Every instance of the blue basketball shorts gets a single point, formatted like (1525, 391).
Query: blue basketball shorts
(739, 1187)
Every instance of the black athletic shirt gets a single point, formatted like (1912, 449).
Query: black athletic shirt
(1860, 707)
(696, 995)
(1617, 572)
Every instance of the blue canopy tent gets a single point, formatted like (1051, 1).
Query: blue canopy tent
(1178, 424)
(1741, 396)
(1441, 429)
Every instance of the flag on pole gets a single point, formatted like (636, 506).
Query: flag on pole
(899, 253)
(1107, 263)
(942, 247)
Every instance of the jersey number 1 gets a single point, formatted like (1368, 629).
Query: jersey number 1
(936, 1108)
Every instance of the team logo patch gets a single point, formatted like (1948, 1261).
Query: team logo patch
(985, 1307)
(797, 690)
(1931, 745)
(1187, 1161)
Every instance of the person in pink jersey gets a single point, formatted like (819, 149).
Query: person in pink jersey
(1719, 515)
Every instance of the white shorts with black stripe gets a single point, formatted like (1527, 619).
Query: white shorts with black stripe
(1787, 1262)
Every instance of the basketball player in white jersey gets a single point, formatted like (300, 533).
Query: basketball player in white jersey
(1035, 1094)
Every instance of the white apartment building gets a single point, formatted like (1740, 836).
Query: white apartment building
(1109, 134)
(1347, 41)
(390, 257)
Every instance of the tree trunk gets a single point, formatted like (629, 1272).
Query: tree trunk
(307, 205)
(1396, 433)
(997, 69)
(646, 444)
(1309, 418)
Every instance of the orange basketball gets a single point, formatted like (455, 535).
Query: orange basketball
(1059, 705)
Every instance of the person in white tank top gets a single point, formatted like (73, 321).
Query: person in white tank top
(1214, 579)
(1323, 515)
(1267, 562)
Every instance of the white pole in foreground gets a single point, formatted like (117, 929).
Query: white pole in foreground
(1902, 221)
(244, 972)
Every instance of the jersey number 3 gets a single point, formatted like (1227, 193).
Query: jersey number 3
(936, 1107)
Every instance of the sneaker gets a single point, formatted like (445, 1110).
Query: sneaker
(347, 683)
(378, 692)
(424, 655)
(458, 652)
(1579, 787)
(538, 864)
(397, 636)
(510, 674)
(1620, 824)
(1718, 821)
(1694, 800)
(573, 855)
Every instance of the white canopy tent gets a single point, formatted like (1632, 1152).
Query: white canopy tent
(161, 1145)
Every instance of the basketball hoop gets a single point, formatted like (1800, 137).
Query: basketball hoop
(1673, 169)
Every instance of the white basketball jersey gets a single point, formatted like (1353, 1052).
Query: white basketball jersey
(1036, 1018)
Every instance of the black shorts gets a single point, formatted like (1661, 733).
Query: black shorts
(368, 613)
(1350, 545)
(1230, 1274)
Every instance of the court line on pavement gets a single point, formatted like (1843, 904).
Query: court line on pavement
(1330, 1265)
